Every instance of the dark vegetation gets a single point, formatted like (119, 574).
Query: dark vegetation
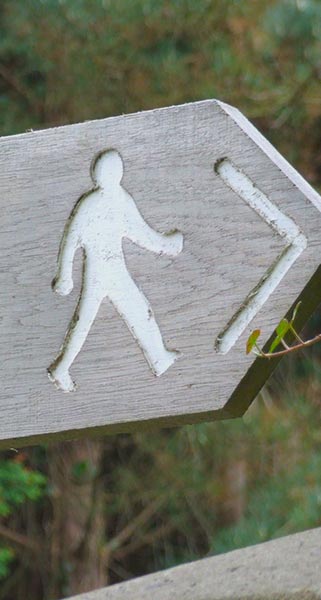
(79, 515)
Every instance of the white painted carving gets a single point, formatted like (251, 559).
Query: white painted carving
(98, 224)
(296, 242)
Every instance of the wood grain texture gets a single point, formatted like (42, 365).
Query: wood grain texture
(169, 156)
(283, 569)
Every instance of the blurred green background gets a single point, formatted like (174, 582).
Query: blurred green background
(79, 515)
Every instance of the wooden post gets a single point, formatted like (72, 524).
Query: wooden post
(288, 568)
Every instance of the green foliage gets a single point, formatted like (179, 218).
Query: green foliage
(134, 54)
(17, 485)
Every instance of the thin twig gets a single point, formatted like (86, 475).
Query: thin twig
(295, 333)
(138, 521)
(300, 346)
(18, 538)
(284, 344)
(147, 539)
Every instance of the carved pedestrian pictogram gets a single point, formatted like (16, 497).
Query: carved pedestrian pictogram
(98, 224)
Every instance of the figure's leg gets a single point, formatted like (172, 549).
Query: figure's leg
(84, 316)
(132, 305)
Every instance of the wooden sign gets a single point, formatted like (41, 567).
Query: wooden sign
(137, 254)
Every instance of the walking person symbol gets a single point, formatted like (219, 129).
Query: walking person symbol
(98, 224)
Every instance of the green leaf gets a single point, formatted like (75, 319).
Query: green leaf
(281, 330)
(252, 340)
(283, 327)
(295, 311)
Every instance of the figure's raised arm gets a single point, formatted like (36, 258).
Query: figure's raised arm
(139, 232)
(63, 283)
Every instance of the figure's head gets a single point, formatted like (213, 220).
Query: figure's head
(108, 169)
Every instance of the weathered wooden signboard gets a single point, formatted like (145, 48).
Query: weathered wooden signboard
(137, 253)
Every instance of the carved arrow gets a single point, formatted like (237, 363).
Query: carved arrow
(295, 240)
